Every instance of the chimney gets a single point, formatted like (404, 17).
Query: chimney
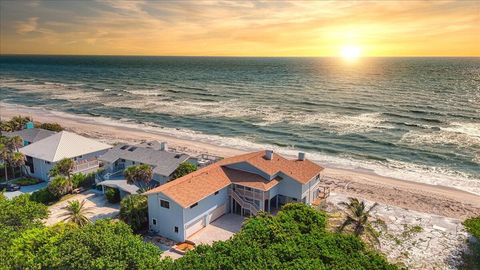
(163, 146)
(269, 154)
(301, 156)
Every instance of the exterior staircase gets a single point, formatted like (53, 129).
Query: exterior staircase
(244, 204)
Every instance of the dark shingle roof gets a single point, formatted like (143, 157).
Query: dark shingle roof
(163, 162)
(31, 135)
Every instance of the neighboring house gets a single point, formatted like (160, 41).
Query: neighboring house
(30, 135)
(242, 185)
(154, 153)
(42, 155)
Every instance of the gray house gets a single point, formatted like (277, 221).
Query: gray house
(244, 185)
(155, 154)
(42, 155)
(30, 135)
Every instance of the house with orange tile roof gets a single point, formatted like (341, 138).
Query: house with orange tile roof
(243, 185)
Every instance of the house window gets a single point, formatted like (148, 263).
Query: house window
(294, 199)
(122, 160)
(154, 221)
(193, 205)
(165, 204)
(247, 188)
(47, 162)
(176, 229)
(216, 192)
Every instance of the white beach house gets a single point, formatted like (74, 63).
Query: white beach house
(42, 155)
(244, 185)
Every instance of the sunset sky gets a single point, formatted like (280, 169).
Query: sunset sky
(227, 28)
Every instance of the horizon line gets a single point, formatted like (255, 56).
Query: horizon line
(242, 56)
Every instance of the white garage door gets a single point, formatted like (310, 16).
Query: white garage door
(218, 212)
(195, 226)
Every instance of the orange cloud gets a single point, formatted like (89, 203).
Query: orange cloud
(244, 28)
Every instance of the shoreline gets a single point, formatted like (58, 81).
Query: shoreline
(413, 195)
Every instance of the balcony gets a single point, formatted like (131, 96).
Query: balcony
(85, 166)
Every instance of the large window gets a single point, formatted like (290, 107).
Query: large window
(165, 204)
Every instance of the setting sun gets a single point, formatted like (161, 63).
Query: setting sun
(350, 52)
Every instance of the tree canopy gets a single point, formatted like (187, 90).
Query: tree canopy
(184, 169)
(293, 239)
(134, 211)
(139, 175)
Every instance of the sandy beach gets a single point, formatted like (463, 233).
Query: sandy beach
(438, 200)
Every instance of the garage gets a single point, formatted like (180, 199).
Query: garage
(195, 226)
(218, 212)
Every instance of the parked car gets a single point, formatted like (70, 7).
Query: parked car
(9, 187)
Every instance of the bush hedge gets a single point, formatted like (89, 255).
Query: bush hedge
(113, 195)
(26, 181)
(43, 196)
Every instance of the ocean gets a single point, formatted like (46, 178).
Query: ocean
(411, 118)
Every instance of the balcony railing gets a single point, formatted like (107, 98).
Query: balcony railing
(85, 165)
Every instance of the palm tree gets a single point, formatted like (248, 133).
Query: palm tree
(139, 175)
(16, 160)
(63, 167)
(76, 213)
(357, 217)
(4, 154)
(134, 211)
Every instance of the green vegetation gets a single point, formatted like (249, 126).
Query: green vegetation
(473, 226)
(471, 257)
(184, 169)
(63, 167)
(50, 126)
(60, 186)
(83, 180)
(26, 181)
(14, 124)
(10, 155)
(134, 211)
(112, 194)
(43, 196)
(294, 239)
(103, 245)
(357, 218)
(76, 213)
(17, 215)
(139, 175)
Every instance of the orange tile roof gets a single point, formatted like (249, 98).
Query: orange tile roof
(196, 186)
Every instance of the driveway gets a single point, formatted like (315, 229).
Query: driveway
(219, 230)
(96, 203)
(26, 189)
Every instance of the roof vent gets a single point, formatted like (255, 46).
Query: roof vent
(301, 156)
(269, 154)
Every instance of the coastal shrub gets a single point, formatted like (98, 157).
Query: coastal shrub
(17, 215)
(26, 181)
(471, 256)
(184, 169)
(43, 196)
(134, 211)
(51, 126)
(105, 244)
(83, 180)
(473, 226)
(112, 194)
(60, 186)
(295, 238)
